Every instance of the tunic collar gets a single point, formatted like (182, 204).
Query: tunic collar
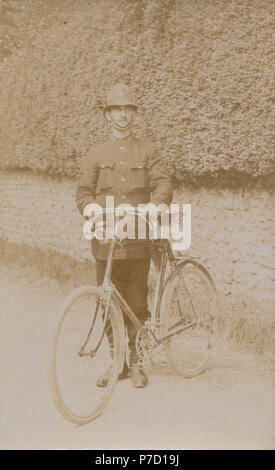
(124, 139)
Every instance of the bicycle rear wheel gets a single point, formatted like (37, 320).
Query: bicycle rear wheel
(82, 351)
(188, 315)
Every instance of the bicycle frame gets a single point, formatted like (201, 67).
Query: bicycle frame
(111, 289)
(93, 316)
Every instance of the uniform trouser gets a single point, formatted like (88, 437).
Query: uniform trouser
(130, 277)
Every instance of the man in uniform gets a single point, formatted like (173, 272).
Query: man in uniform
(133, 172)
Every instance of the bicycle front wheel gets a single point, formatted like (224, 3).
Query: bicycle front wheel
(188, 315)
(84, 348)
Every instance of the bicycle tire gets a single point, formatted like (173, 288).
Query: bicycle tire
(185, 303)
(70, 387)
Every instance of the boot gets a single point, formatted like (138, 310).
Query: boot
(103, 380)
(138, 377)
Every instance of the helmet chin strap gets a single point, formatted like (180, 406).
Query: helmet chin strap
(117, 129)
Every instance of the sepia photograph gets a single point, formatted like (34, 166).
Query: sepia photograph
(137, 227)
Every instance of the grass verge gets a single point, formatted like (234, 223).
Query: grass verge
(52, 264)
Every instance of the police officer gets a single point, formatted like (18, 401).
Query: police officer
(133, 172)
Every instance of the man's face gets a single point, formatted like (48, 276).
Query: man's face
(121, 116)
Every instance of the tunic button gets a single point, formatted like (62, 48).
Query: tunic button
(124, 197)
(121, 162)
(123, 179)
(122, 148)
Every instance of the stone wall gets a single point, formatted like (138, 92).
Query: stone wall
(40, 211)
(232, 231)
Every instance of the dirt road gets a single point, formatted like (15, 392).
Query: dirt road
(230, 406)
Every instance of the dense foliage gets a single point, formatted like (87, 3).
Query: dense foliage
(200, 70)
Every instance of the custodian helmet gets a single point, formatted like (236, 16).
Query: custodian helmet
(119, 95)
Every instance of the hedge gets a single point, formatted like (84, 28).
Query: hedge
(200, 71)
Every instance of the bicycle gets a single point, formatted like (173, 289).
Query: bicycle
(90, 332)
